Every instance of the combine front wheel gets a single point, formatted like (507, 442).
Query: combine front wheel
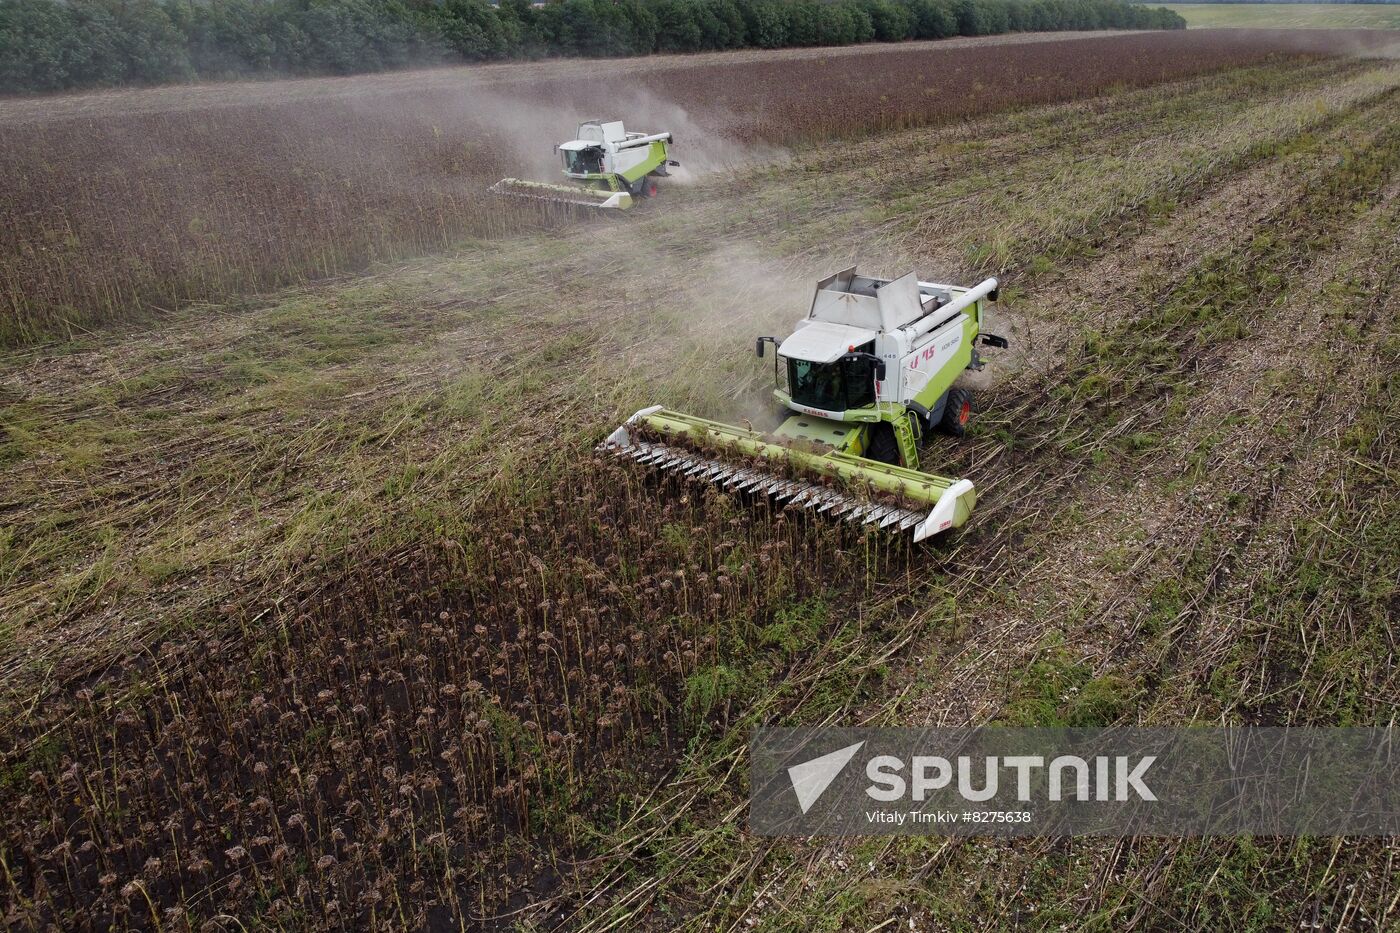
(957, 412)
(883, 446)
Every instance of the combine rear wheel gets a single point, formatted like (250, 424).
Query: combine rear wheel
(957, 412)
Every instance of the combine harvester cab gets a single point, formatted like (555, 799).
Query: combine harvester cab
(610, 168)
(867, 372)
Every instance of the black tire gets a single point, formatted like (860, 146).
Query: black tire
(883, 446)
(957, 412)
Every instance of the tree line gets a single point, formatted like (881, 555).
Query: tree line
(1325, 2)
(49, 45)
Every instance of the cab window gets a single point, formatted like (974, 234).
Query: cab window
(833, 386)
(583, 161)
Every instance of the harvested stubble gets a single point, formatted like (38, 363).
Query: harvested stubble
(147, 202)
(362, 763)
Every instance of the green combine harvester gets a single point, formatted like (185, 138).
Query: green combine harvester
(867, 374)
(610, 169)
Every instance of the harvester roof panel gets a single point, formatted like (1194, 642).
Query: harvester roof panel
(824, 342)
(864, 301)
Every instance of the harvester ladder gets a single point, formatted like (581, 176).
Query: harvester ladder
(908, 443)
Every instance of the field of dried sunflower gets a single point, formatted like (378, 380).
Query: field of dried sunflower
(126, 202)
(387, 648)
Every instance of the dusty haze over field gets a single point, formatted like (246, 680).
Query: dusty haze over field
(129, 201)
(320, 609)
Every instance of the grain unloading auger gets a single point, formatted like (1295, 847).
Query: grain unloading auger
(609, 168)
(867, 372)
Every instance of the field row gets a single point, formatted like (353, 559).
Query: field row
(318, 472)
(1190, 521)
(144, 474)
(120, 210)
(1288, 15)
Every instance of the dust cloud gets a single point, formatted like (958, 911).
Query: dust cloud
(1356, 43)
(527, 129)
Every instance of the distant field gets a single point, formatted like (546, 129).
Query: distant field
(120, 201)
(1289, 15)
(318, 612)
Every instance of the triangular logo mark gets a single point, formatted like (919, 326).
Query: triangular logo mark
(811, 778)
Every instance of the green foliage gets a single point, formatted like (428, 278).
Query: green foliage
(892, 21)
(797, 629)
(473, 30)
(48, 45)
(934, 19)
(708, 688)
(1057, 690)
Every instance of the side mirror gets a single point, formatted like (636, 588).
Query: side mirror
(994, 294)
(758, 347)
(878, 363)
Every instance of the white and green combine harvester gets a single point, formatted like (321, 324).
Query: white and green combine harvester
(609, 168)
(867, 374)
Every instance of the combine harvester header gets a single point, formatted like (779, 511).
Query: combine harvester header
(868, 374)
(609, 166)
